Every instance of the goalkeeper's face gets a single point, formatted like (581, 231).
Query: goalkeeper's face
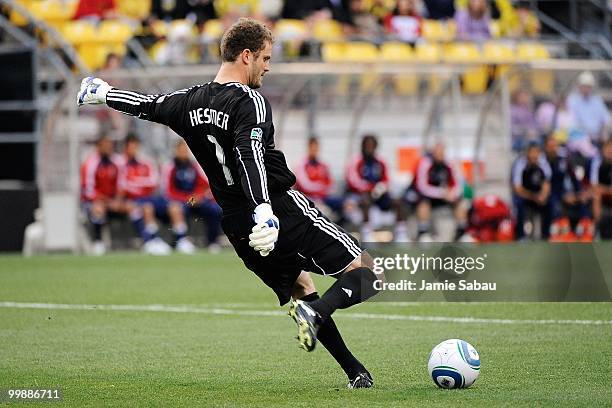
(259, 66)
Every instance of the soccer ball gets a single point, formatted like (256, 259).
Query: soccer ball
(454, 363)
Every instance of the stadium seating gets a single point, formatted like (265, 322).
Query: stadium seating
(333, 51)
(475, 78)
(430, 53)
(396, 52)
(501, 55)
(327, 30)
(290, 29)
(136, 9)
(436, 30)
(53, 12)
(79, 32)
(542, 82)
(290, 32)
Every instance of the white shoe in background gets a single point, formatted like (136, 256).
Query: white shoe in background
(98, 248)
(214, 248)
(426, 237)
(156, 246)
(185, 246)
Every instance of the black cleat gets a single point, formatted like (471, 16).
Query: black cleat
(362, 380)
(307, 321)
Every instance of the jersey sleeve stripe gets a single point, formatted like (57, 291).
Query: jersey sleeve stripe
(246, 173)
(265, 178)
(134, 95)
(117, 99)
(257, 154)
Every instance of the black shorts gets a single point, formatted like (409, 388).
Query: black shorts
(307, 241)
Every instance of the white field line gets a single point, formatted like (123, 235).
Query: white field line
(221, 311)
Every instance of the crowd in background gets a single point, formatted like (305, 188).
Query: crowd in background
(128, 185)
(561, 184)
(563, 172)
(177, 32)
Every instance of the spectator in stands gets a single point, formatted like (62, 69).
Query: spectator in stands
(404, 22)
(180, 47)
(186, 191)
(531, 176)
(568, 195)
(314, 180)
(367, 181)
(300, 10)
(601, 179)
(473, 22)
(169, 10)
(553, 118)
(95, 9)
(523, 123)
(99, 173)
(365, 26)
(440, 9)
(516, 20)
(232, 9)
(589, 109)
(137, 183)
(437, 184)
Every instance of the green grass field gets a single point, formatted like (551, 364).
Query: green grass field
(218, 338)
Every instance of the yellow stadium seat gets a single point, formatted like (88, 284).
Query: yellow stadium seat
(213, 30)
(430, 53)
(530, 51)
(93, 55)
(333, 52)
(475, 78)
(114, 31)
(79, 32)
(405, 84)
(542, 81)
(137, 9)
(18, 19)
(290, 29)
(290, 32)
(396, 52)
(53, 11)
(499, 54)
(327, 30)
(360, 51)
(159, 28)
(436, 30)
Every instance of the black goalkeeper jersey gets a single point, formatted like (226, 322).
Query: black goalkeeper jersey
(229, 129)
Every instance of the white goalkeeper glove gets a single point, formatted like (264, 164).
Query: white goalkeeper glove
(93, 91)
(265, 232)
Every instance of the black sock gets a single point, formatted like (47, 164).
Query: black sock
(97, 232)
(329, 336)
(352, 288)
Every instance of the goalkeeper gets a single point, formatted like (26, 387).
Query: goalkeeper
(277, 232)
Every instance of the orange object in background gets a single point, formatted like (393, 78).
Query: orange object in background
(561, 230)
(407, 158)
(467, 168)
(585, 230)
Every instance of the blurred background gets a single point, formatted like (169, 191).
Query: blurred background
(429, 120)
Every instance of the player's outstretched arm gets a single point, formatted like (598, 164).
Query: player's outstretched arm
(164, 108)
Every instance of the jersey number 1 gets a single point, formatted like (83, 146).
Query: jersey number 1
(221, 158)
